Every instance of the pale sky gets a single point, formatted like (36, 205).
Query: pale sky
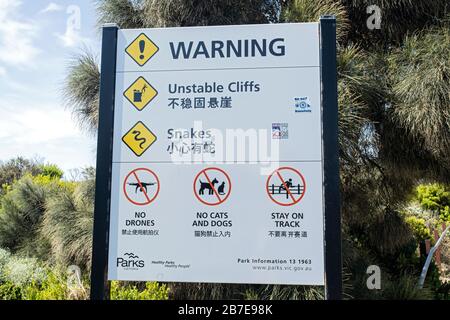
(37, 40)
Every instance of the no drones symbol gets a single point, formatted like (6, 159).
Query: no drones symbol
(141, 186)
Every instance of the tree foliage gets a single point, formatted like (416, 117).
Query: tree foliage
(22, 210)
(309, 11)
(398, 19)
(81, 90)
(420, 81)
(178, 13)
(435, 197)
(16, 168)
(68, 224)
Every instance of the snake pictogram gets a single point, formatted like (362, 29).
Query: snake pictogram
(137, 133)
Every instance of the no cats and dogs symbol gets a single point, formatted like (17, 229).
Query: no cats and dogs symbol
(141, 186)
(212, 186)
(286, 186)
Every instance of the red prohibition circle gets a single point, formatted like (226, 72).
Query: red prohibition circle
(277, 171)
(221, 200)
(149, 200)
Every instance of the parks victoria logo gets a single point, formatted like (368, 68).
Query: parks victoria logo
(130, 261)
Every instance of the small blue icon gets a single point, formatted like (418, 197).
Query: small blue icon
(302, 104)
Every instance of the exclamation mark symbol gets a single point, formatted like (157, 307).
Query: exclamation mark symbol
(142, 48)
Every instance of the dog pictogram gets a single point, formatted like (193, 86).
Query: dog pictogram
(206, 185)
(212, 186)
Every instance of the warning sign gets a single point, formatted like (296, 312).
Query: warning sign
(200, 109)
(142, 49)
(139, 138)
(140, 93)
(212, 186)
(286, 186)
(141, 186)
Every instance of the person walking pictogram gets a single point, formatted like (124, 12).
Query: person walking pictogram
(287, 183)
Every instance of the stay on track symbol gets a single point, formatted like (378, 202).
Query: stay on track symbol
(286, 186)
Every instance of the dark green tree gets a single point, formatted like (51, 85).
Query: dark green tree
(16, 168)
(68, 223)
(21, 212)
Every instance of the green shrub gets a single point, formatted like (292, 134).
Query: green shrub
(68, 222)
(27, 279)
(444, 213)
(419, 228)
(9, 291)
(404, 288)
(152, 291)
(53, 288)
(20, 271)
(15, 169)
(4, 258)
(435, 197)
(52, 171)
(21, 213)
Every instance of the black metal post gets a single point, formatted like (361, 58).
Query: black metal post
(99, 280)
(333, 256)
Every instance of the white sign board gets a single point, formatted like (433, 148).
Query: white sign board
(217, 169)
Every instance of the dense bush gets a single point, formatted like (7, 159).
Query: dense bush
(435, 197)
(28, 279)
(426, 212)
(18, 270)
(68, 222)
(9, 291)
(52, 288)
(22, 211)
(152, 291)
(419, 227)
(51, 171)
(15, 169)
